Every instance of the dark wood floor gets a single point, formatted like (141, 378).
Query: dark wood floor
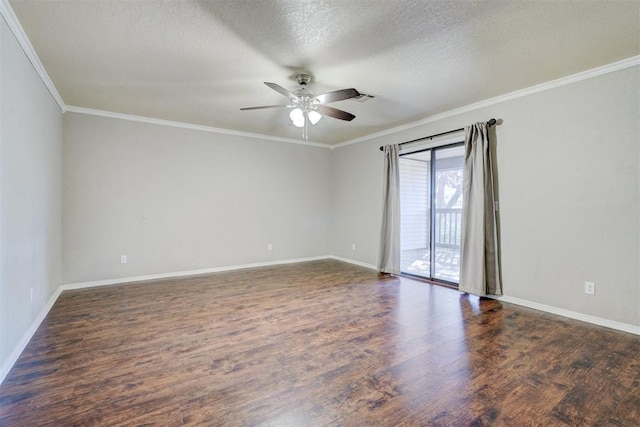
(320, 343)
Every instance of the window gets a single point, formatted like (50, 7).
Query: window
(431, 212)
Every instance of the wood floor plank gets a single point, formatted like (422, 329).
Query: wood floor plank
(318, 343)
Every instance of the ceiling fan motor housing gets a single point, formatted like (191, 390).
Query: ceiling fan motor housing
(305, 101)
(303, 79)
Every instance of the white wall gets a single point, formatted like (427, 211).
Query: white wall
(210, 200)
(30, 194)
(569, 190)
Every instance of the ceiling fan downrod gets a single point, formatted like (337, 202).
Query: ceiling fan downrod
(303, 79)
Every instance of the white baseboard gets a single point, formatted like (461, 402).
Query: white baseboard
(15, 354)
(353, 261)
(625, 327)
(22, 344)
(91, 284)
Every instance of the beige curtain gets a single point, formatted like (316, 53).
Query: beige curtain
(479, 269)
(389, 255)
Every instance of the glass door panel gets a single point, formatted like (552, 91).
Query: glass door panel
(415, 208)
(447, 228)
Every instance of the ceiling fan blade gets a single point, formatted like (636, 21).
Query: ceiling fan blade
(282, 90)
(262, 107)
(325, 110)
(337, 95)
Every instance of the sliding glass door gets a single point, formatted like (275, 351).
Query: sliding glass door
(415, 212)
(431, 211)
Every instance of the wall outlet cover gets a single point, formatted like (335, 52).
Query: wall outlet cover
(589, 288)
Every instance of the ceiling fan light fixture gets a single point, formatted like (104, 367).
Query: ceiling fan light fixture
(314, 117)
(297, 117)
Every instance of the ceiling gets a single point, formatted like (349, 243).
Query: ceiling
(198, 62)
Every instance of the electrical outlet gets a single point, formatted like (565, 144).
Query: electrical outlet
(589, 288)
(123, 259)
(353, 246)
(31, 294)
(269, 247)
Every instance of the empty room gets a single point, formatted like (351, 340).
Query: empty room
(319, 212)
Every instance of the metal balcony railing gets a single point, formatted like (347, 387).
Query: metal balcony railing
(448, 230)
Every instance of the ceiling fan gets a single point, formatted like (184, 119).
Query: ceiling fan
(306, 107)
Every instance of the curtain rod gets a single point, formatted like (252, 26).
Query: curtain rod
(491, 122)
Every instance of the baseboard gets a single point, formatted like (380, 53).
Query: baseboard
(184, 273)
(22, 344)
(19, 348)
(15, 354)
(625, 327)
(353, 261)
(17, 351)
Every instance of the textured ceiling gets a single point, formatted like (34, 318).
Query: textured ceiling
(200, 61)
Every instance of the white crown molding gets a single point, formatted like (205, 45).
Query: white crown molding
(18, 32)
(16, 28)
(573, 78)
(161, 122)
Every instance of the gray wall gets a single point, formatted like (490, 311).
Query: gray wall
(176, 199)
(30, 194)
(208, 200)
(568, 164)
